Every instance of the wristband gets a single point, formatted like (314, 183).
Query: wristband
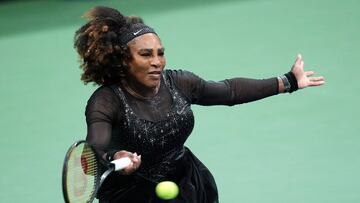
(293, 81)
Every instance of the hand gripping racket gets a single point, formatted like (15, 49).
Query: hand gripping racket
(81, 177)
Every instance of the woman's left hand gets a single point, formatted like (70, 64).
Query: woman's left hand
(304, 78)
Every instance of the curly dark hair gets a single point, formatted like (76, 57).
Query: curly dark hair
(97, 43)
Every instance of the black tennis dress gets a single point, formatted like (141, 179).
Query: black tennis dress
(157, 128)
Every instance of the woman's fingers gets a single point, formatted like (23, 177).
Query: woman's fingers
(298, 67)
(298, 59)
(136, 160)
(316, 81)
(134, 164)
(309, 73)
(122, 153)
(302, 63)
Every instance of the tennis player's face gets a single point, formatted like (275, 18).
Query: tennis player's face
(147, 62)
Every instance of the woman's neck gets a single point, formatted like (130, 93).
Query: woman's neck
(140, 91)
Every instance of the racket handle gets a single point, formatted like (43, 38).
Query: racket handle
(121, 163)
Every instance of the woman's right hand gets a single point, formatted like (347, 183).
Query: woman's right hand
(135, 161)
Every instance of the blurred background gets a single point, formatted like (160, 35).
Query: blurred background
(301, 148)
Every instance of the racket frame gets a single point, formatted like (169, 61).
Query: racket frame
(65, 169)
(99, 180)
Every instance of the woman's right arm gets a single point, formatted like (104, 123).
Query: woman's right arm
(101, 112)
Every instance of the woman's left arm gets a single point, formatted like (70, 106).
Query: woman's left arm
(242, 90)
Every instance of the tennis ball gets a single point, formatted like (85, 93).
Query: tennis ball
(167, 190)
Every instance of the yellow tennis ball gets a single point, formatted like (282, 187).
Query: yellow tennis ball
(167, 190)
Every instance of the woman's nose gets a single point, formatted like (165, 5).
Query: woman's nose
(156, 61)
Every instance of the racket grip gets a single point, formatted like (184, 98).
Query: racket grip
(121, 163)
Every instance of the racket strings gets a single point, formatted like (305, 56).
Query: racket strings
(82, 174)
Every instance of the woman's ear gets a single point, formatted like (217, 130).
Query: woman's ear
(122, 70)
(125, 62)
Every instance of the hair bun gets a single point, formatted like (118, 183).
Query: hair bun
(105, 13)
(134, 20)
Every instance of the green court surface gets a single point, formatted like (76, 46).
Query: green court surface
(300, 148)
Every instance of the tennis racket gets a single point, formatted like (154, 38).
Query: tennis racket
(81, 177)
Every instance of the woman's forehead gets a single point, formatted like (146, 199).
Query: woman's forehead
(146, 41)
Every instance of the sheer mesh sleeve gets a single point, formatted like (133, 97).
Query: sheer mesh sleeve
(226, 92)
(101, 112)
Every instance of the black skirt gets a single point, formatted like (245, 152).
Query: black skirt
(195, 182)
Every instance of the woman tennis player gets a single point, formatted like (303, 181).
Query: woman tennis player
(143, 111)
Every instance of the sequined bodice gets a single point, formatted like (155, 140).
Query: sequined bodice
(156, 140)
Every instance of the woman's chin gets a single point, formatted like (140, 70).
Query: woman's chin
(152, 84)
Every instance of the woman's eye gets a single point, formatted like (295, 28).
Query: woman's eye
(145, 54)
(161, 53)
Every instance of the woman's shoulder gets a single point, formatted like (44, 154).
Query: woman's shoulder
(102, 92)
(185, 81)
(103, 103)
(181, 75)
(103, 95)
(177, 72)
